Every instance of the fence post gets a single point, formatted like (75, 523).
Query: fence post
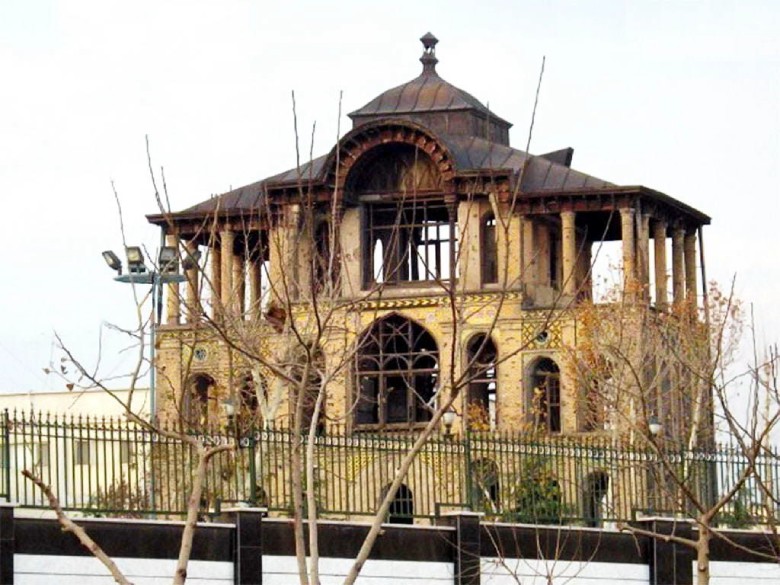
(248, 550)
(669, 562)
(468, 566)
(7, 541)
(468, 483)
(7, 454)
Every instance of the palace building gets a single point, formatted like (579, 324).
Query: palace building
(421, 256)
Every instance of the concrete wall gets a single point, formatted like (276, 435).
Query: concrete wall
(249, 548)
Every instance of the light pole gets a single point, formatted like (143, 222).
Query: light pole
(248, 441)
(167, 272)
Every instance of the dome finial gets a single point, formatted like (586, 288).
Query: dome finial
(428, 58)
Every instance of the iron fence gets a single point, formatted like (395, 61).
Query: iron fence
(101, 466)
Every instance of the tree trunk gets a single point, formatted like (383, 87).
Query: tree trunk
(703, 556)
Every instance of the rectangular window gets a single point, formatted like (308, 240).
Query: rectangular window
(409, 243)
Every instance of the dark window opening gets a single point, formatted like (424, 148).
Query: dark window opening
(396, 374)
(402, 507)
(489, 247)
(409, 242)
(482, 389)
(195, 403)
(596, 490)
(555, 268)
(546, 384)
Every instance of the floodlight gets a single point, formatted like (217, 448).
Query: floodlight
(113, 261)
(654, 426)
(135, 260)
(168, 260)
(229, 407)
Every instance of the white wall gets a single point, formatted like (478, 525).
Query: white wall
(87, 402)
(62, 570)
(729, 573)
(278, 570)
(497, 571)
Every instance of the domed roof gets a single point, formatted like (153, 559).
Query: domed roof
(426, 94)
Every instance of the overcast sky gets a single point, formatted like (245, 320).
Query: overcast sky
(683, 97)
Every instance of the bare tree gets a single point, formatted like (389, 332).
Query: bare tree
(666, 383)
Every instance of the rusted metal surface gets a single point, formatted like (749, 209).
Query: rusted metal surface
(474, 141)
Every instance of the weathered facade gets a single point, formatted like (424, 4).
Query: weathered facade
(428, 256)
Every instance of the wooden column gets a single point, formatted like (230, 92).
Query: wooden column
(239, 283)
(569, 249)
(678, 265)
(659, 245)
(643, 253)
(227, 244)
(629, 247)
(193, 294)
(216, 278)
(528, 268)
(689, 250)
(173, 304)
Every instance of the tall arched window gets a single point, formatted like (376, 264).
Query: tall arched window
(489, 248)
(195, 405)
(546, 395)
(482, 357)
(402, 507)
(397, 373)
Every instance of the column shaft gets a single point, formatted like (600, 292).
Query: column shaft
(643, 253)
(173, 305)
(689, 247)
(629, 247)
(678, 265)
(193, 308)
(569, 249)
(659, 245)
(528, 268)
(227, 245)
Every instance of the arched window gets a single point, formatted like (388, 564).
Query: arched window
(409, 233)
(195, 405)
(397, 373)
(596, 490)
(402, 507)
(482, 357)
(485, 487)
(546, 397)
(489, 248)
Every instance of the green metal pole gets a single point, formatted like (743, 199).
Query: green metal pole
(469, 485)
(252, 471)
(7, 454)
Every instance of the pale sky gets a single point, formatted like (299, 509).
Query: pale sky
(682, 97)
